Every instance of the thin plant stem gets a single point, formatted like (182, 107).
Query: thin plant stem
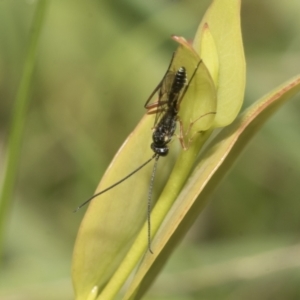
(19, 118)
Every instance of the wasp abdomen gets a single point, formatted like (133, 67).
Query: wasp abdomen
(179, 80)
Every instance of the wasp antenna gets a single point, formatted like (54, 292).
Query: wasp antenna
(115, 184)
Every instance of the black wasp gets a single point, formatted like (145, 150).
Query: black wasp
(171, 91)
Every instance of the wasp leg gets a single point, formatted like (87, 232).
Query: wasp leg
(183, 134)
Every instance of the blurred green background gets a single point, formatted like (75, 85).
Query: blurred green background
(98, 62)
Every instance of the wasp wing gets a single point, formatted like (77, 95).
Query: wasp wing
(163, 88)
(164, 95)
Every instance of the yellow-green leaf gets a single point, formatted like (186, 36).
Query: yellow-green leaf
(223, 21)
(209, 54)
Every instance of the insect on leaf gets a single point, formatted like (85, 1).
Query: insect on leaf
(199, 105)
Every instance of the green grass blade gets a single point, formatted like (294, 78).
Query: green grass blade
(19, 117)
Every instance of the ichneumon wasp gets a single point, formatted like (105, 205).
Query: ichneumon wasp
(171, 91)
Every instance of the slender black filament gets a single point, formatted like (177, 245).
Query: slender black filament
(149, 203)
(115, 184)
